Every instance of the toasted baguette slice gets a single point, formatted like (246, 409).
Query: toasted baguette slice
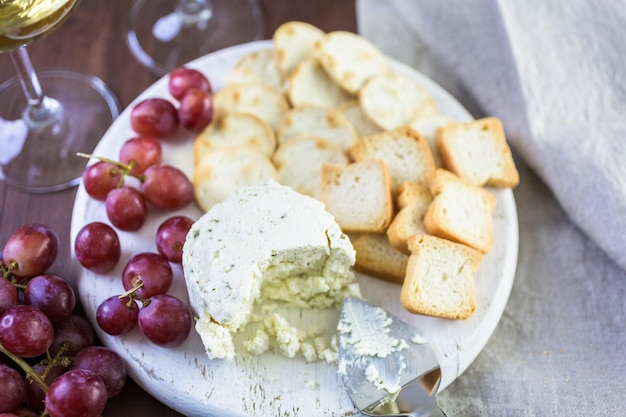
(393, 100)
(222, 170)
(260, 99)
(310, 85)
(478, 152)
(293, 43)
(257, 67)
(362, 124)
(351, 59)
(376, 257)
(460, 211)
(299, 163)
(413, 201)
(235, 129)
(322, 122)
(428, 125)
(439, 278)
(405, 152)
(358, 195)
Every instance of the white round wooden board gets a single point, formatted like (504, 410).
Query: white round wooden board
(270, 385)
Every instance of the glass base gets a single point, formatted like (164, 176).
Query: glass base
(163, 37)
(40, 159)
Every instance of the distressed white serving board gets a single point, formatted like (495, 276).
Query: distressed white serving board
(271, 385)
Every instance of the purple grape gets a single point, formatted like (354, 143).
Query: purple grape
(165, 321)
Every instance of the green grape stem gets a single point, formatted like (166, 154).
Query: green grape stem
(26, 368)
(125, 168)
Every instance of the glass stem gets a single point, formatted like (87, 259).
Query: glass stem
(194, 11)
(41, 110)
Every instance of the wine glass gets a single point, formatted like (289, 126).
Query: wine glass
(40, 133)
(165, 34)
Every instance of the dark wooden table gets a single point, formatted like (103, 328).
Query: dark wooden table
(92, 41)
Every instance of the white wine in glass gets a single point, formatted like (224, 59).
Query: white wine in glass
(46, 117)
(165, 34)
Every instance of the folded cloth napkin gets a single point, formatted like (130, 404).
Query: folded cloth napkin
(553, 71)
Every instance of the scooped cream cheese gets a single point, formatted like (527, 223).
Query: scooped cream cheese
(265, 243)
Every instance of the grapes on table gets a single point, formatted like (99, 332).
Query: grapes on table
(166, 187)
(31, 250)
(140, 152)
(195, 110)
(117, 315)
(183, 79)
(154, 117)
(13, 392)
(101, 177)
(151, 270)
(72, 334)
(126, 208)
(8, 295)
(52, 295)
(25, 331)
(76, 393)
(105, 363)
(170, 237)
(165, 320)
(97, 247)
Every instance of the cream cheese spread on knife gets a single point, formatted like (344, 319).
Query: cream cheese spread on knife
(264, 244)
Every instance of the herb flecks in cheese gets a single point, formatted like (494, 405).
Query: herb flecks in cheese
(265, 244)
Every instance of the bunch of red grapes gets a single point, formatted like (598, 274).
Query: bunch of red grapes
(163, 319)
(48, 360)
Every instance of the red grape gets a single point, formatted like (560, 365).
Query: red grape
(170, 237)
(166, 187)
(13, 392)
(195, 111)
(154, 117)
(25, 331)
(100, 178)
(8, 295)
(97, 247)
(182, 79)
(117, 315)
(142, 151)
(76, 330)
(152, 269)
(31, 250)
(52, 295)
(76, 393)
(35, 397)
(107, 364)
(165, 321)
(126, 208)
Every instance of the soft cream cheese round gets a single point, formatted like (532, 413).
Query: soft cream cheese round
(265, 242)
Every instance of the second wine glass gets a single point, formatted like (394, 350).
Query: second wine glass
(165, 34)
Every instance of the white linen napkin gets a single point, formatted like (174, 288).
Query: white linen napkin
(553, 71)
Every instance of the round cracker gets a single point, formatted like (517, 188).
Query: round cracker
(235, 129)
(257, 67)
(266, 102)
(351, 59)
(363, 125)
(322, 122)
(310, 85)
(222, 170)
(393, 100)
(299, 163)
(293, 43)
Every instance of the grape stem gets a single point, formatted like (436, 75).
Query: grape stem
(26, 368)
(126, 168)
(132, 293)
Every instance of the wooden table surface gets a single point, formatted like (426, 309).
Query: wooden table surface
(92, 41)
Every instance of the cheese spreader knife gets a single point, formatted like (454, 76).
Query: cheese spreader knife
(387, 368)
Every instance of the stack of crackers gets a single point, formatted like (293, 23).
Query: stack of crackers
(324, 114)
